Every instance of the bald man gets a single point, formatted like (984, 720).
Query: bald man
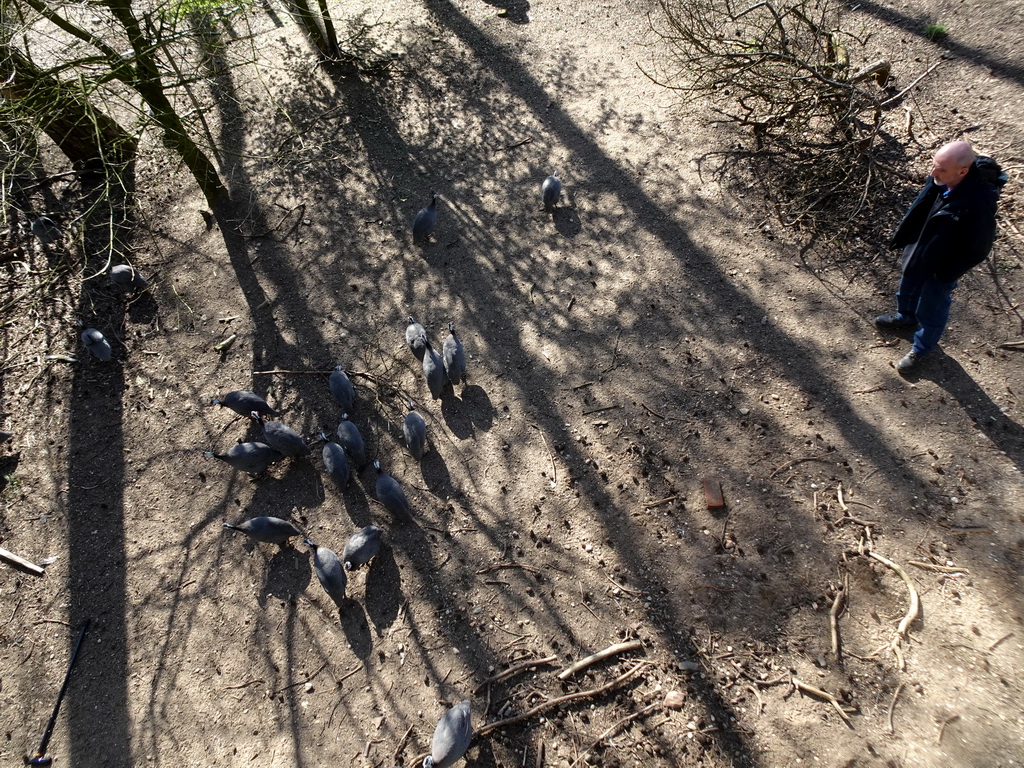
(948, 230)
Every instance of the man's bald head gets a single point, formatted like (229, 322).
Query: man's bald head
(952, 162)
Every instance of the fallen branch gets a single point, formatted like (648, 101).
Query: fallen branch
(276, 371)
(556, 702)
(624, 589)
(905, 91)
(554, 469)
(602, 408)
(794, 462)
(500, 566)
(1011, 345)
(225, 345)
(612, 729)
(660, 502)
(515, 668)
(942, 728)
(20, 562)
(833, 617)
(824, 695)
(892, 706)
(757, 695)
(612, 650)
(896, 644)
(934, 567)
(401, 745)
(998, 642)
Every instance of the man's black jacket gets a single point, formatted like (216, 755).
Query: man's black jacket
(959, 234)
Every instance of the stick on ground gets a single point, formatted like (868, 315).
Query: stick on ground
(612, 650)
(515, 668)
(825, 695)
(609, 731)
(896, 644)
(544, 706)
(892, 706)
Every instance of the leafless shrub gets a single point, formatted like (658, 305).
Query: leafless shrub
(788, 71)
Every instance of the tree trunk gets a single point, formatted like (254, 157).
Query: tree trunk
(90, 139)
(147, 83)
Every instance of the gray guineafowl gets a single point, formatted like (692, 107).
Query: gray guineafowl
(425, 223)
(127, 278)
(243, 402)
(44, 229)
(342, 388)
(414, 335)
(329, 572)
(352, 441)
(269, 530)
(414, 428)
(283, 439)
(433, 370)
(361, 548)
(452, 737)
(97, 344)
(336, 462)
(551, 191)
(454, 357)
(253, 458)
(391, 495)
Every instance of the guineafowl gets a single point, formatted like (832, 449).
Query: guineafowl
(336, 462)
(413, 334)
(390, 494)
(244, 402)
(454, 357)
(425, 223)
(415, 430)
(361, 548)
(127, 278)
(551, 191)
(253, 458)
(269, 530)
(44, 229)
(452, 737)
(97, 344)
(342, 388)
(281, 438)
(433, 370)
(352, 441)
(330, 572)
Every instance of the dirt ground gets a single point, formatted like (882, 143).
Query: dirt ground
(659, 330)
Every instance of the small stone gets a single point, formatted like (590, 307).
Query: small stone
(309, 688)
(674, 700)
(744, 411)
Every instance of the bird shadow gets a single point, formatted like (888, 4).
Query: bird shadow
(287, 575)
(383, 589)
(457, 416)
(435, 474)
(357, 505)
(481, 409)
(356, 629)
(567, 222)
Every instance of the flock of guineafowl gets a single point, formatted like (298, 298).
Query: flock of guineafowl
(277, 441)
(454, 731)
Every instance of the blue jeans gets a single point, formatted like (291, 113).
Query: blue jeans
(924, 299)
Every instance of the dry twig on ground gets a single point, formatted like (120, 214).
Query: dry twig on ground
(559, 701)
(612, 650)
